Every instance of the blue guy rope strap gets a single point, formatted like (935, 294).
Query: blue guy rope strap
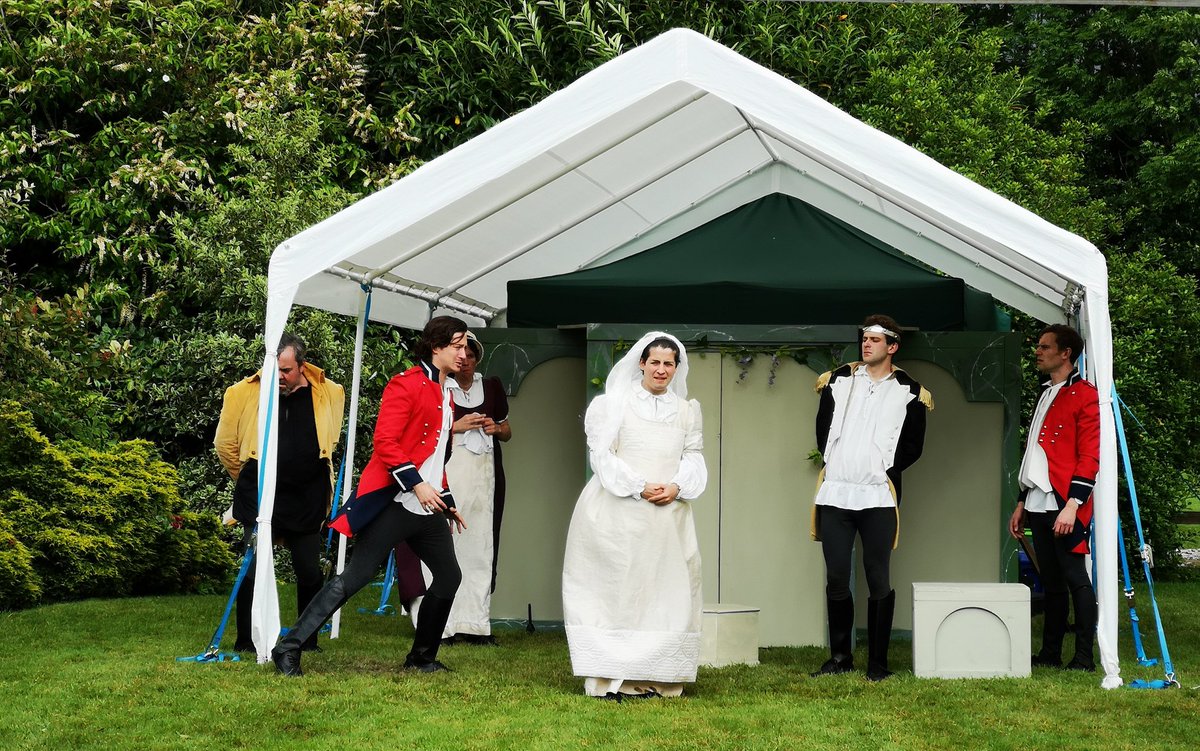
(389, 578)
(1168, 668)
(213, 653)
(1134, 621)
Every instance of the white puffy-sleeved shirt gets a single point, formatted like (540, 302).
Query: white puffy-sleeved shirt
(619, 478)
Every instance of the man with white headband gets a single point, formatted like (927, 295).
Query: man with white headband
(870, 428)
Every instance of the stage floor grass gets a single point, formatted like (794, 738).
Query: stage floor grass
(102, 674)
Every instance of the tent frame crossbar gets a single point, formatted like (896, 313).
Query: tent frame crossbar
(614, 198)
(565, 169)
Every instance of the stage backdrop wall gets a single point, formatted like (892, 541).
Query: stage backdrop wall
(753, 521)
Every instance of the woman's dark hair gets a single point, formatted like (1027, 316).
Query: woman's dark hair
(438, 333)
(1067, 338)
(663, 342)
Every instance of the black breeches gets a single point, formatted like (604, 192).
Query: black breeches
(428, 536)
(306, 562)
(838, 528)
(1061, 570)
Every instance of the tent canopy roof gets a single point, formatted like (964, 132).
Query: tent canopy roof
(773, 261)
(658, 141)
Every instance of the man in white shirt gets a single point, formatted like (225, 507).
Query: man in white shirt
(1058, 473)
(870, 428)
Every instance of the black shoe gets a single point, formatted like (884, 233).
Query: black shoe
(610, 696)
(834, 666)
(311, 648)
(1042, 661)
(433, 666)
(478, 640)
(876, 674)
(1078, 664)
(449, 641)
(244, 646)
(287, 662)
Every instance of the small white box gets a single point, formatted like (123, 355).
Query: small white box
(729, 635)
(970, 630)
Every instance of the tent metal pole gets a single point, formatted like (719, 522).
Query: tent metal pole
(566, 169)
(429, 296)
(614, 199)
(351, 427)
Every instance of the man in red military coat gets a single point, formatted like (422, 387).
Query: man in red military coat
(402, 497)
(1058, 473)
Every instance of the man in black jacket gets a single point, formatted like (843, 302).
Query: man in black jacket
(870, 428)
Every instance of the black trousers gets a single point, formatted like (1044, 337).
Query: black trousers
(838, 528)
(1061, 570)
(306, 563)
(428, 536)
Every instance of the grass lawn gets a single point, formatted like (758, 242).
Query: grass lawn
(102, 674)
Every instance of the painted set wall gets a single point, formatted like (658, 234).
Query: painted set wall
(544, 467)
(753, 521)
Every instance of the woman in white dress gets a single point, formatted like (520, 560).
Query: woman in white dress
(631, 575)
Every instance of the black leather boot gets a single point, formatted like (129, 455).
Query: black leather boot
(1085, 629)
(1054, 627)
(841, 629)
(304, 595)
(879, 635)
(431, 621)
(286, 654)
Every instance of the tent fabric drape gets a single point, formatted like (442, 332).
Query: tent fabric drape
(774, 260)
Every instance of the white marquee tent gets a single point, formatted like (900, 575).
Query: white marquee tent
(647, 146)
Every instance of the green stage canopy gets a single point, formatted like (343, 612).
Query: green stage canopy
(776, 260)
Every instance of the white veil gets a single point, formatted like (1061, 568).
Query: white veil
(626, 376)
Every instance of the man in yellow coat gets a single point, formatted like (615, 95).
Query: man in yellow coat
(310, 421)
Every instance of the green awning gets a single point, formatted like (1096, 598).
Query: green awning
(776, 260)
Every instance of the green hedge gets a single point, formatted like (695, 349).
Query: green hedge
(78, 522)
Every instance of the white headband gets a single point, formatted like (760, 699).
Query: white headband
(877, 329)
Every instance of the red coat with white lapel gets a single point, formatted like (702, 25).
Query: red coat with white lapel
(1070, 436)
(406, 431)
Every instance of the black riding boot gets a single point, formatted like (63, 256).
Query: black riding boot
(286, 653)
(1085, 629)
(431, 621)
(304, 595)
(841, 628)
(879, 635)
(1054, 627)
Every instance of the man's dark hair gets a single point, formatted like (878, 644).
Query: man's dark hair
(296, 343)
(438, 333)
(1067, 338)
(887, 322)
(663, 342)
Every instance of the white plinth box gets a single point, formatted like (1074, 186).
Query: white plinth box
(729, 635)
(969, 630)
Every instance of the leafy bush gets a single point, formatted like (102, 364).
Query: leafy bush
(97, 522)
(20, 585)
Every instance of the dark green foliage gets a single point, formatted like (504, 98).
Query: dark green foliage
(155, 152)
(91, 522)
(1155, 310)
(20, 586)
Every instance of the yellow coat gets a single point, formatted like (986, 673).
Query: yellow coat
(237, 432)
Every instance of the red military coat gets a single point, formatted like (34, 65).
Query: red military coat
(406, 434)
(1070, 436)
